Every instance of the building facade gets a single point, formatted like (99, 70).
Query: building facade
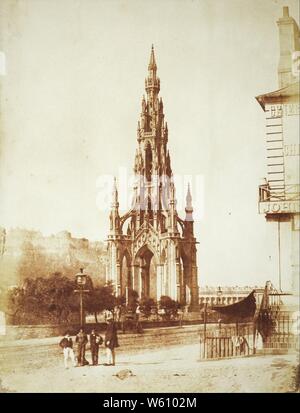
(279, 198)
(224, 295)
(150, 248)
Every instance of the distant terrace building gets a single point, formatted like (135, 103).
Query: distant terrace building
(224, 295)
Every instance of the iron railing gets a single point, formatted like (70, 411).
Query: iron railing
(247, 339)
(227, 342)
(283, 193)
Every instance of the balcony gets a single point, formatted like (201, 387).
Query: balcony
(281, 199)
(285, 193)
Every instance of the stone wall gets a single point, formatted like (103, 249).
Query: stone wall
(42, 331)
(24, 332)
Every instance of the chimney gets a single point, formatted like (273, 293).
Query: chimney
(289, 44)
(285, 11)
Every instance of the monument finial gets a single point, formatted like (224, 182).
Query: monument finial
(189, 206)
(115, 202)
(152, 63)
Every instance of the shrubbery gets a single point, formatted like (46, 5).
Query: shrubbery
(44, 300)
(52, 300)
(169, 306)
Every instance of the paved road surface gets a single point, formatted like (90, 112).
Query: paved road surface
(173, 369)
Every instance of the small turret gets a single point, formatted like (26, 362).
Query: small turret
(189, 206)
(152, 64)
(161, 105)
(168, 164)
(144, 105)
(189, 220)
(152, 83)
(115, 202)
(114, 213)
(172, 213)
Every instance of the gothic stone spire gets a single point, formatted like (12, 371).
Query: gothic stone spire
(154, 229)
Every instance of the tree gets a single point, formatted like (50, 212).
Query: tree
(58, 291)
(100, 299)
(41, 300)
(169, 305)
(13, 304)
(133, 299)
(121, 300)
(52, 300)
(146, 306)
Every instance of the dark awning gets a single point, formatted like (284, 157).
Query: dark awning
(242, 309)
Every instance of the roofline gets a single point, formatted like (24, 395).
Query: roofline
(279, 94)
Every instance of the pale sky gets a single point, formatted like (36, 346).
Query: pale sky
(70, 102)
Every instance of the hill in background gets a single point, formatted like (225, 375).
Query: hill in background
(26, 253)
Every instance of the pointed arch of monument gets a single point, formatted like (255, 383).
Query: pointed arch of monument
(185, 281)
(147, 262)
(181, 225)
(125, 217)
(125, 253)
(126, 275)
(141, 252)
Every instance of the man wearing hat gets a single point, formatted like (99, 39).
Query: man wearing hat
(81, 341)
(95, 341)
(111, 341)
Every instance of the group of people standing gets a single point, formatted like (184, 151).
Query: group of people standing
(95, 340)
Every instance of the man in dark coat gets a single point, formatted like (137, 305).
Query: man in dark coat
(67, 345)
(111, 342)
(81, 340)
(95, 341)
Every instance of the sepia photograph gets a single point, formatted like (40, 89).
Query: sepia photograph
(149, 198)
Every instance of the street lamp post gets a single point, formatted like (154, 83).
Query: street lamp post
(81, 280)
(219, 295)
